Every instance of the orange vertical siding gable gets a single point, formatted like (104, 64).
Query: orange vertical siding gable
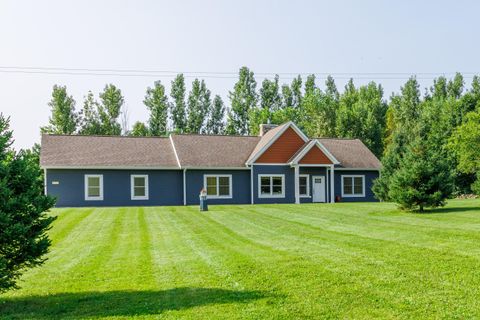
(283, 148)
(315, 156)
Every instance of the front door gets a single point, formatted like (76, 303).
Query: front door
(318, 189)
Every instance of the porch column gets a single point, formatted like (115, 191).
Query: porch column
(297, 186)
(332, 185)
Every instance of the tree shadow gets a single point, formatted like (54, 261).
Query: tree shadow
(448, 210)
(118, 303)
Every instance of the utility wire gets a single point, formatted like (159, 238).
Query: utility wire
(217, 75)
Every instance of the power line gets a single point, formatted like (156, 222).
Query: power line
(216, 75)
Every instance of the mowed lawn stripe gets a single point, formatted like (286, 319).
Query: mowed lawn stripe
(260, 262)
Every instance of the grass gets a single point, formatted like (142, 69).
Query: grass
(262, 262)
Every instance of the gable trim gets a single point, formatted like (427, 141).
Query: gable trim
(289, 124)
(310, 145)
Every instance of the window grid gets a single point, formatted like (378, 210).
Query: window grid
(353, 186)
(218, 186)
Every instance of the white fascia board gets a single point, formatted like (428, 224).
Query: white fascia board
(311, 144)
(175, 151)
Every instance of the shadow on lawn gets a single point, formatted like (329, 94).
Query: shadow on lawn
(449, 210)
(118, 303)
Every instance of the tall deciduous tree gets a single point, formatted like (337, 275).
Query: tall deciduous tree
(157, 103)
(64, 119)
(23, 206)
(90, 122)
(270, 102)
(216, 124)
(199, 104)
(178, 106)
(111, 102)
(243, 98)
(139, 129)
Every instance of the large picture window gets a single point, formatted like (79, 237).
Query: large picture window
(304, 185)
(271, 186)
(93, 187)
(139, 186)
(218, 186)
(353, 186)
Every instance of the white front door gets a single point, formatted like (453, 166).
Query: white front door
(318, 189)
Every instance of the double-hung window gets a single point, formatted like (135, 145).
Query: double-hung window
(218, 186)
(93, 187)
(139, 186)
(304, 185)
(353, 186)
(271, 186)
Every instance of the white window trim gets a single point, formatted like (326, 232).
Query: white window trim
(260, 195)
(354, 195)
(308, 185)
(132, 189)
(218, 176)
(100, 197)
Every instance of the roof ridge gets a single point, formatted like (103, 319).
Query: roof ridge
(99, 136)
(335, 138)
(214, 135)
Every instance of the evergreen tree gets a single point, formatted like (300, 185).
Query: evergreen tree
(157, 103)
(178, 106)
(215, 124)
(139, 130)
(423, 178)
(64, 119)
(23, 206)
(199, 104)
(243, 98)
(90, 123)
(111, 102)
(406, 110)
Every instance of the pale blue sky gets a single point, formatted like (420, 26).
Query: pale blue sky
(348, 37)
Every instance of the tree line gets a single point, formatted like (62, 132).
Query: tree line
(422, 139)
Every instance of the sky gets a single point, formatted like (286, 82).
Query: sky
(383, 41)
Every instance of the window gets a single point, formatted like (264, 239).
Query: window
(304, 185)
(139, 187)
(353, 186)
(93, 187)
(271, 186)
(218, 186)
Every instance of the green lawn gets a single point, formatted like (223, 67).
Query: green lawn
(265, 261)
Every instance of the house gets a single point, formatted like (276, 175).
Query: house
(281, 165)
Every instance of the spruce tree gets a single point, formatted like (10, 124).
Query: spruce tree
(157, 103)
(63, 119)
(23, 206)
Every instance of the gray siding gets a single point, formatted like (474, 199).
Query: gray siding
(165, 187)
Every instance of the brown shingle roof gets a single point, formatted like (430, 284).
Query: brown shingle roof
(213, 151)
(351, 153)
(106, 151)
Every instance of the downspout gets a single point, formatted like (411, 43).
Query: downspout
(45, 181)
(252, 201)
(185, 186)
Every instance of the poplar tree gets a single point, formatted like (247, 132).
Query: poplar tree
(178, 106)
(139, 129)
(243, 98)
(111, 102)
(215, 124)
(63, 119)
(270, 103)
(199, 104)
(90, 123)
(157, 103)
